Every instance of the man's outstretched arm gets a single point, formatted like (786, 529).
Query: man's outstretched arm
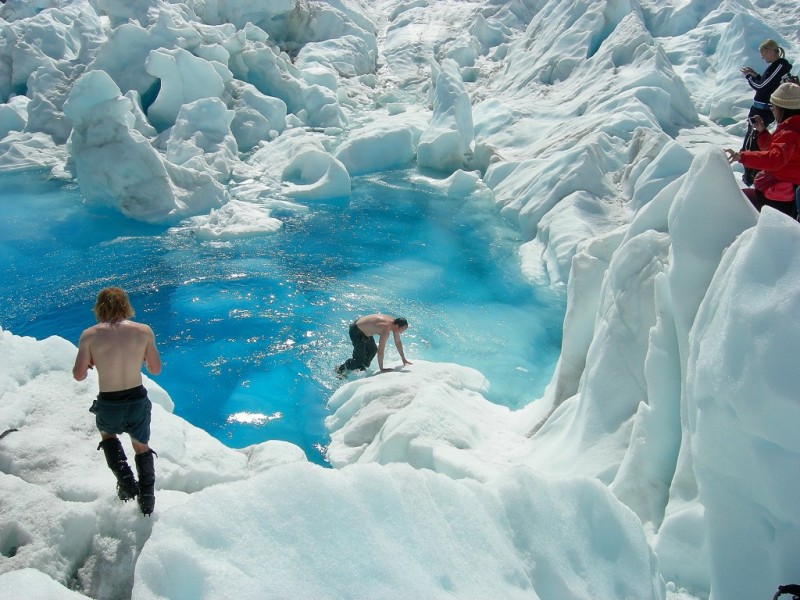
(83, 361)
(382, 349)
(398, 343)
(152, 359)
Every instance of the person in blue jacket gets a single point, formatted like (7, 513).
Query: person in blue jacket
(764, 85)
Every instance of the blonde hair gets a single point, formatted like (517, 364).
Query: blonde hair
(112, 305)
(772, 45)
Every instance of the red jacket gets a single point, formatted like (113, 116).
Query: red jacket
(780, 151)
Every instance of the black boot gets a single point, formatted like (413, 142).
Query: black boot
(147, 481)
(118, 463)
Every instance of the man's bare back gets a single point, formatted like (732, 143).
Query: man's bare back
(377, 324)
(117, 350)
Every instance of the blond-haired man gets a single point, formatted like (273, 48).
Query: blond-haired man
(117, 347)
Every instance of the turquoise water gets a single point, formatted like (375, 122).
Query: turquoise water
(251, 329)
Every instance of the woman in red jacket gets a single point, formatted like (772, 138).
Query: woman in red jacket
(778, 157)
(763, 85)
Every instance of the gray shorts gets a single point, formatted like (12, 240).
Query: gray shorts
(126, 411)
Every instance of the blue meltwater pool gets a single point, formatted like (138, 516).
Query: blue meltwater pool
(251, 329)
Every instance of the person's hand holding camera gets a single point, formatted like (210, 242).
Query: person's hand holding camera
(758, 123)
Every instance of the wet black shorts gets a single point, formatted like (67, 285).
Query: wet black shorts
(126, 411)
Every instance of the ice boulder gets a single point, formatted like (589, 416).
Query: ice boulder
(311, 22)
(389, 144)
(65, 37)
(184, 79)
(236, 219)
(129, 44)
(41, 56)
(48, 88)
(349, 55)
(257, 117)
(201, 138)
(271, 72)
(271, 159)
(242, 12)
(15, 11)
(143, 185)
(123, 11)
(316, 74)
(432, 416)
(322, 107)
(314, 174)
(446, 144)
(461, 184)
(12, 118)
(21, 151)
(489, 33)
(140, 122)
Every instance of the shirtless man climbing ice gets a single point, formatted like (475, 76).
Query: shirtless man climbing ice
(362, 331)
(117, 346)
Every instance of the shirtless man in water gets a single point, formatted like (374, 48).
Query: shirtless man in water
(364, 348)
(117, 346)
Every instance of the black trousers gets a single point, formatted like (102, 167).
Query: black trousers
(759, 200)
(750, 142)
(364, 350)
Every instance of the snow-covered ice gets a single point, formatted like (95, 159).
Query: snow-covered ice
(661, 461)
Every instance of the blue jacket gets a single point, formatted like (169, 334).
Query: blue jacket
(767, 83)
